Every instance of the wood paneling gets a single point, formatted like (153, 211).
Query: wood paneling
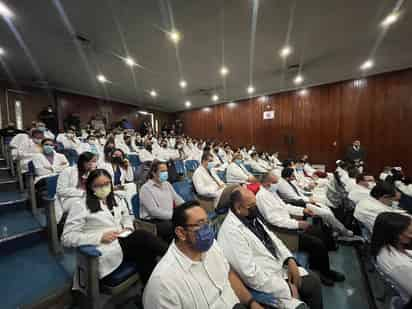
(377, 110)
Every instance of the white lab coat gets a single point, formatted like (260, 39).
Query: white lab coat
(237, 173)
(48, 134)
(24, 149)
(207, 185)
(406, 189)
(145, 155)
(277, 212)
(369, 208)
(256, 166)
(397, 266)
(256, 266)
(69, 143)
(43, 168)
(126, 174)
(67, 187)
(85, 228)
(358, 193)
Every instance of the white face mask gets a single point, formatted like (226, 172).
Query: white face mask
(274, 187)
(395, 204)
(371, 184)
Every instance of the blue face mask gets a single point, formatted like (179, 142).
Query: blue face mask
(273, 187)
(47, 149)
(238, 161)
(204, 238)
(163, 176)
(210, 165)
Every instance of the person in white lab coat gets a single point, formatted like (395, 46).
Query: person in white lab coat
(24, 147)
(103, 220)
(72, 182)
(69, 140)
(49, 162)
(381, 199)
(391, 246)
(362, 188)
(205, 180)
(194, 273)
(92, 145)
(255, 165)
(46, 132)
(288, 218)
(158, 199)
(237, 173)
(262, 261)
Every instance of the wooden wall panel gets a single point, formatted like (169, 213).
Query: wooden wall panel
(377, 110)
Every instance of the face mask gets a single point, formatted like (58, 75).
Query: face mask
(37, 140)
(253, 213)
(371, 185)
(117, 160)
(103, 192)
(238, 161)
(163, 176)
(48, 149)
(92, 142)
(41, 129)
(395, 204)
(204, 238)
(70, 135)
(149, 148)
(164, 145)
(210, 165)
(273, 187)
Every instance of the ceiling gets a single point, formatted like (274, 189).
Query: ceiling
(330, 39)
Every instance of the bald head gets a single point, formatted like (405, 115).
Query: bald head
(269, 179)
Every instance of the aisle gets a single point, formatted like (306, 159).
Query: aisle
(352, 292)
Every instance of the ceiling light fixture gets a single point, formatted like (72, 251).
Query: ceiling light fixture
(215, 97)
(2, 51)
(263, 99)
(224, 71)
(5, 11)
(390, 19)
(303, 92)
(188, 103)
(368, 64)
(250, 89)
(101, 78)
(285, 51)
(183, 84)
(174, 36)
(231, 104)
(130, 62)
(153, 93)
(298, 79)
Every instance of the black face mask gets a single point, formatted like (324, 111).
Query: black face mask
(108, 150)
(253, 213)
(117, 160)
(149, 148)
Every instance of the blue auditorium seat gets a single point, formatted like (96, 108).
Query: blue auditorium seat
(180, 167)
(136, 205)
(51, 185)
(185, 189)
(302, 259)
(222, 175)
(191, 165)
(71, 155)
(120, 274)
(134, 160)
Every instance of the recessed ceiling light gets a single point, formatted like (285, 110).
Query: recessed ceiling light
(215, 97)
(101, 78)
(263, 99)
(231, 104)
(183, 84)
(188, 103)
(224, 71)
(298, 79)
(174, 36)
(129, 61)
(368, 64)
(390, 19)
(5, 11)
(2, 51)
(303, 92)
(285, 51)
(206, 109)
(250, 89)
(153, 93)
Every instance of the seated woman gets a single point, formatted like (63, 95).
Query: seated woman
(103, 220)
(47, 163)
(391, 243)
(157, 200)
(72, 182)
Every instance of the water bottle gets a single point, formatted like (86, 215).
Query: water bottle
(4, 232)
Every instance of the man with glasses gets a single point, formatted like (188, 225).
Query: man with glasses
(261, 259)
(194, 273)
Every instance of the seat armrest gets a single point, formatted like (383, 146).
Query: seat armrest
(89, 250)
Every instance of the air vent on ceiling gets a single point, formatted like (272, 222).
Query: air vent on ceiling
(293, 67)
(205, 91)
(82, 40)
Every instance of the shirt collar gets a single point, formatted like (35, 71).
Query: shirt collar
(154, 183)
(185, 262)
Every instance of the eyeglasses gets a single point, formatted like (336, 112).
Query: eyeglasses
(197, 225)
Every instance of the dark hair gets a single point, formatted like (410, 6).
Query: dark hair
(360, 177)
(205, 156)
(387, 229)
(234, 198)
(85, 157)
(114, 150)
(353, 172)
(44, 140)
(92, 202)
(288, 163)
(154, 168)
(179, 217)
(108, 150)
(383, 188)
(265, 177)
(287, 172)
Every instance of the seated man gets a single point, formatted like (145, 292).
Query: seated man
(312, 240)
(25, 147)
(291, 194)
(255, 165)
(362, 188)
(158, 199)
(237, 173)
(381, 198)
(205, 180)
(261, 259)
(69, 140)
(194, 273)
